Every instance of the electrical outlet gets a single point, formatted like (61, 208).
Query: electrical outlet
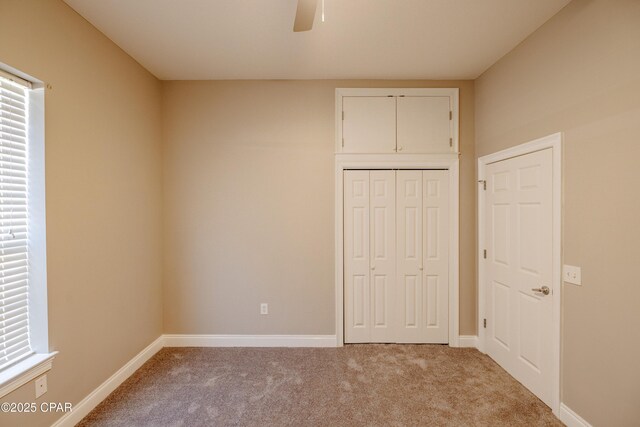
(572, 274)
(41, 386)
(264, 308)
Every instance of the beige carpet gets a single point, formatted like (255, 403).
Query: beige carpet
(358, 385)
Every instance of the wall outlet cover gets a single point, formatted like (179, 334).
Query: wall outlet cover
(572, 274)
(41, 386)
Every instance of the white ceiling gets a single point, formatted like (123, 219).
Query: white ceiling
(378, 39)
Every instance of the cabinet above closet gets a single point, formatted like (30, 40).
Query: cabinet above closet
(409, 121)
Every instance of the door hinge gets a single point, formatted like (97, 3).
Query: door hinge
(343, 115)
(450, 115)
(450, 142)
(484, 253)
(484, 184)
(485, 323)
(343, 142)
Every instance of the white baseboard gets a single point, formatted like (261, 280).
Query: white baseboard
(87, 404)
(570, 418)
(249, 340)
(468, 341)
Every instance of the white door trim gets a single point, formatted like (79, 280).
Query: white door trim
(554, 142)
(399, 161)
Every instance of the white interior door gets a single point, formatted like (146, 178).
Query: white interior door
(409, 251)
(396, 252)
(424, 124)
(383, 254)
(422, 299)
(356, 257)
(435, 250)
(369, 124)
(370, 260)
(518, 215)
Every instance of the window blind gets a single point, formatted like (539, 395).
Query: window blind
(14, 269)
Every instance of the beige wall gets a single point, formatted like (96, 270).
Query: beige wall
(580, 74)
(248, 195)
(103, 177)
(249, 205)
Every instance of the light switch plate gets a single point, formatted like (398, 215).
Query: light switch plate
(572, 274)
(41, 386)
(264, 308)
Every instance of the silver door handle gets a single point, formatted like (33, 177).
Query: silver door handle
(544, 290)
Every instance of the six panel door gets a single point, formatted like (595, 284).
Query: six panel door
(519, 229)
(396, 256)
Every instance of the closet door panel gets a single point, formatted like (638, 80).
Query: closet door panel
(357, 326)
(424, 125)
(396, 256)
(369, 124)
(435, 279)
(409, 256)
(383, 254)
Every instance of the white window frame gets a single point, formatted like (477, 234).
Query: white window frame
(41, 361)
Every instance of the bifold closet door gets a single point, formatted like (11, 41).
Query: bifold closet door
(435, 252)
(383, 255)
(396, 256)
(369, 254)
(422, 294)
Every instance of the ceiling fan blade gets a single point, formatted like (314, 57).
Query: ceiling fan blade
(305, 14)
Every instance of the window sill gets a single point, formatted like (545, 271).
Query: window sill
(24, 371)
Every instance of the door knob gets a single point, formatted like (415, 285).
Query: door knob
(373, 268)
(544, 290)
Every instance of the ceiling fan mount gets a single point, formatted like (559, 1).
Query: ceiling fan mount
(305, 15)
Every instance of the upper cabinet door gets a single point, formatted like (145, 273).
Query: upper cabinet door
(424, 124)
(369, 124)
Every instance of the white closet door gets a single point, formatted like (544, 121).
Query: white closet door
(424, 125)
(396, 256)
(409, 252)
(383, 254)
(369, 124)
(357, 326)
(435, 279)
(423, 256)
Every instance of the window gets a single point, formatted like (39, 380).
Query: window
(24, 352)
(14, 225)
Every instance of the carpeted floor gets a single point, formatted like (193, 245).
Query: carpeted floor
(358, 385)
